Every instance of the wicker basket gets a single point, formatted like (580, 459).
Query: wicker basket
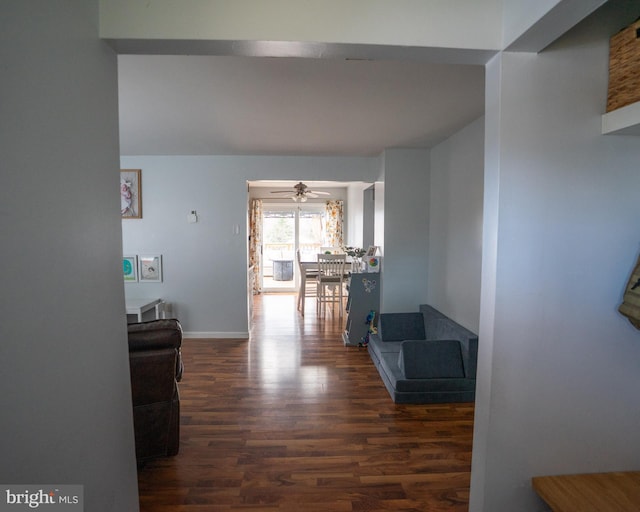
(624, 67)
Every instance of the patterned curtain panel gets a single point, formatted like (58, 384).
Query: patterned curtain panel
(255, 242)
(334, 234)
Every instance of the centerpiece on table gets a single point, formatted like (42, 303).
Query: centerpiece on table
(356, 254)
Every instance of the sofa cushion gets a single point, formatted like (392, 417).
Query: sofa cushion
(431, 359)
(377, 347)
(447, 329)
(401, 326)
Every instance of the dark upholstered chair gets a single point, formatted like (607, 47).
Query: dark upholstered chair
(156, 367)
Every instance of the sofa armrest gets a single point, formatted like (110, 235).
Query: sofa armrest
(470, 355)
(152, 376)
(158, 335)
(155, 334)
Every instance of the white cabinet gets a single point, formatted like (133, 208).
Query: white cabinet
(364, 297)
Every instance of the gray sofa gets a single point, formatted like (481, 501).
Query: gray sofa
(425, 357)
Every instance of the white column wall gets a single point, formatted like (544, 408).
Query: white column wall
(66, 400)
(561, 387)
(455, 225)
(490, 224)
(354, 219)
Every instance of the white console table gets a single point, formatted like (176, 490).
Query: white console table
(140, 306)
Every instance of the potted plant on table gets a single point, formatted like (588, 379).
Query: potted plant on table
(356, 254)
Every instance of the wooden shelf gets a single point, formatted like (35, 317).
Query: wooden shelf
(623, 121)
(595, 492)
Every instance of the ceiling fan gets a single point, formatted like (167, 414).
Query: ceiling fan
(300, 193)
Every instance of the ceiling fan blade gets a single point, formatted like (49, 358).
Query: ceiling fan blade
(300, 191)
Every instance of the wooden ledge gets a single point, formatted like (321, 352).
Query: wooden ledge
(590, 492)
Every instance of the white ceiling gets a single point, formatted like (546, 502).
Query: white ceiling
(237, 105)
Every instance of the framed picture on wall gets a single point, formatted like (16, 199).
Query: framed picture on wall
(130, 194)
(150, 268)
(130, 269)
(372, 250)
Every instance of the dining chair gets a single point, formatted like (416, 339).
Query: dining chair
(306, 273)
(331, 270)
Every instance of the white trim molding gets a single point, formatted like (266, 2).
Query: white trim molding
(217, 335)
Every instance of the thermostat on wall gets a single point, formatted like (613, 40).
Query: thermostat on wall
(192, 218)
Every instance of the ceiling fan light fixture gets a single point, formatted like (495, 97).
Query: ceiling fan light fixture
(300, 193)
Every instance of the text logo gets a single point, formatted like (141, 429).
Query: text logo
(51, 498)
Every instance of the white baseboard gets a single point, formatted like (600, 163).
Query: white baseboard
(226, 335)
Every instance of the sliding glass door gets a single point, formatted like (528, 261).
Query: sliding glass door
(278, 248)
(287, 228)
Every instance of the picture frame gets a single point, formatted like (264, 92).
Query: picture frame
(373, 263)
(131, 193)
(150, 268)
(130, 268)
(372, 250)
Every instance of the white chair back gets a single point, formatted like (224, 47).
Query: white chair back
(332, 266)
(331, 269)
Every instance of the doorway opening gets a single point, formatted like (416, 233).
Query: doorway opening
(287, 229)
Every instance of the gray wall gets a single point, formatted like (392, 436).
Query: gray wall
(200, 260)
(405, 221)
(455, 225)
(558, 370)
(66, 401)
(205, 264)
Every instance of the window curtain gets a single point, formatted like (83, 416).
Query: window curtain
(334, 234)
(255, 242)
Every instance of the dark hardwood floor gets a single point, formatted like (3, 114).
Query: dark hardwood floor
(292, 420)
